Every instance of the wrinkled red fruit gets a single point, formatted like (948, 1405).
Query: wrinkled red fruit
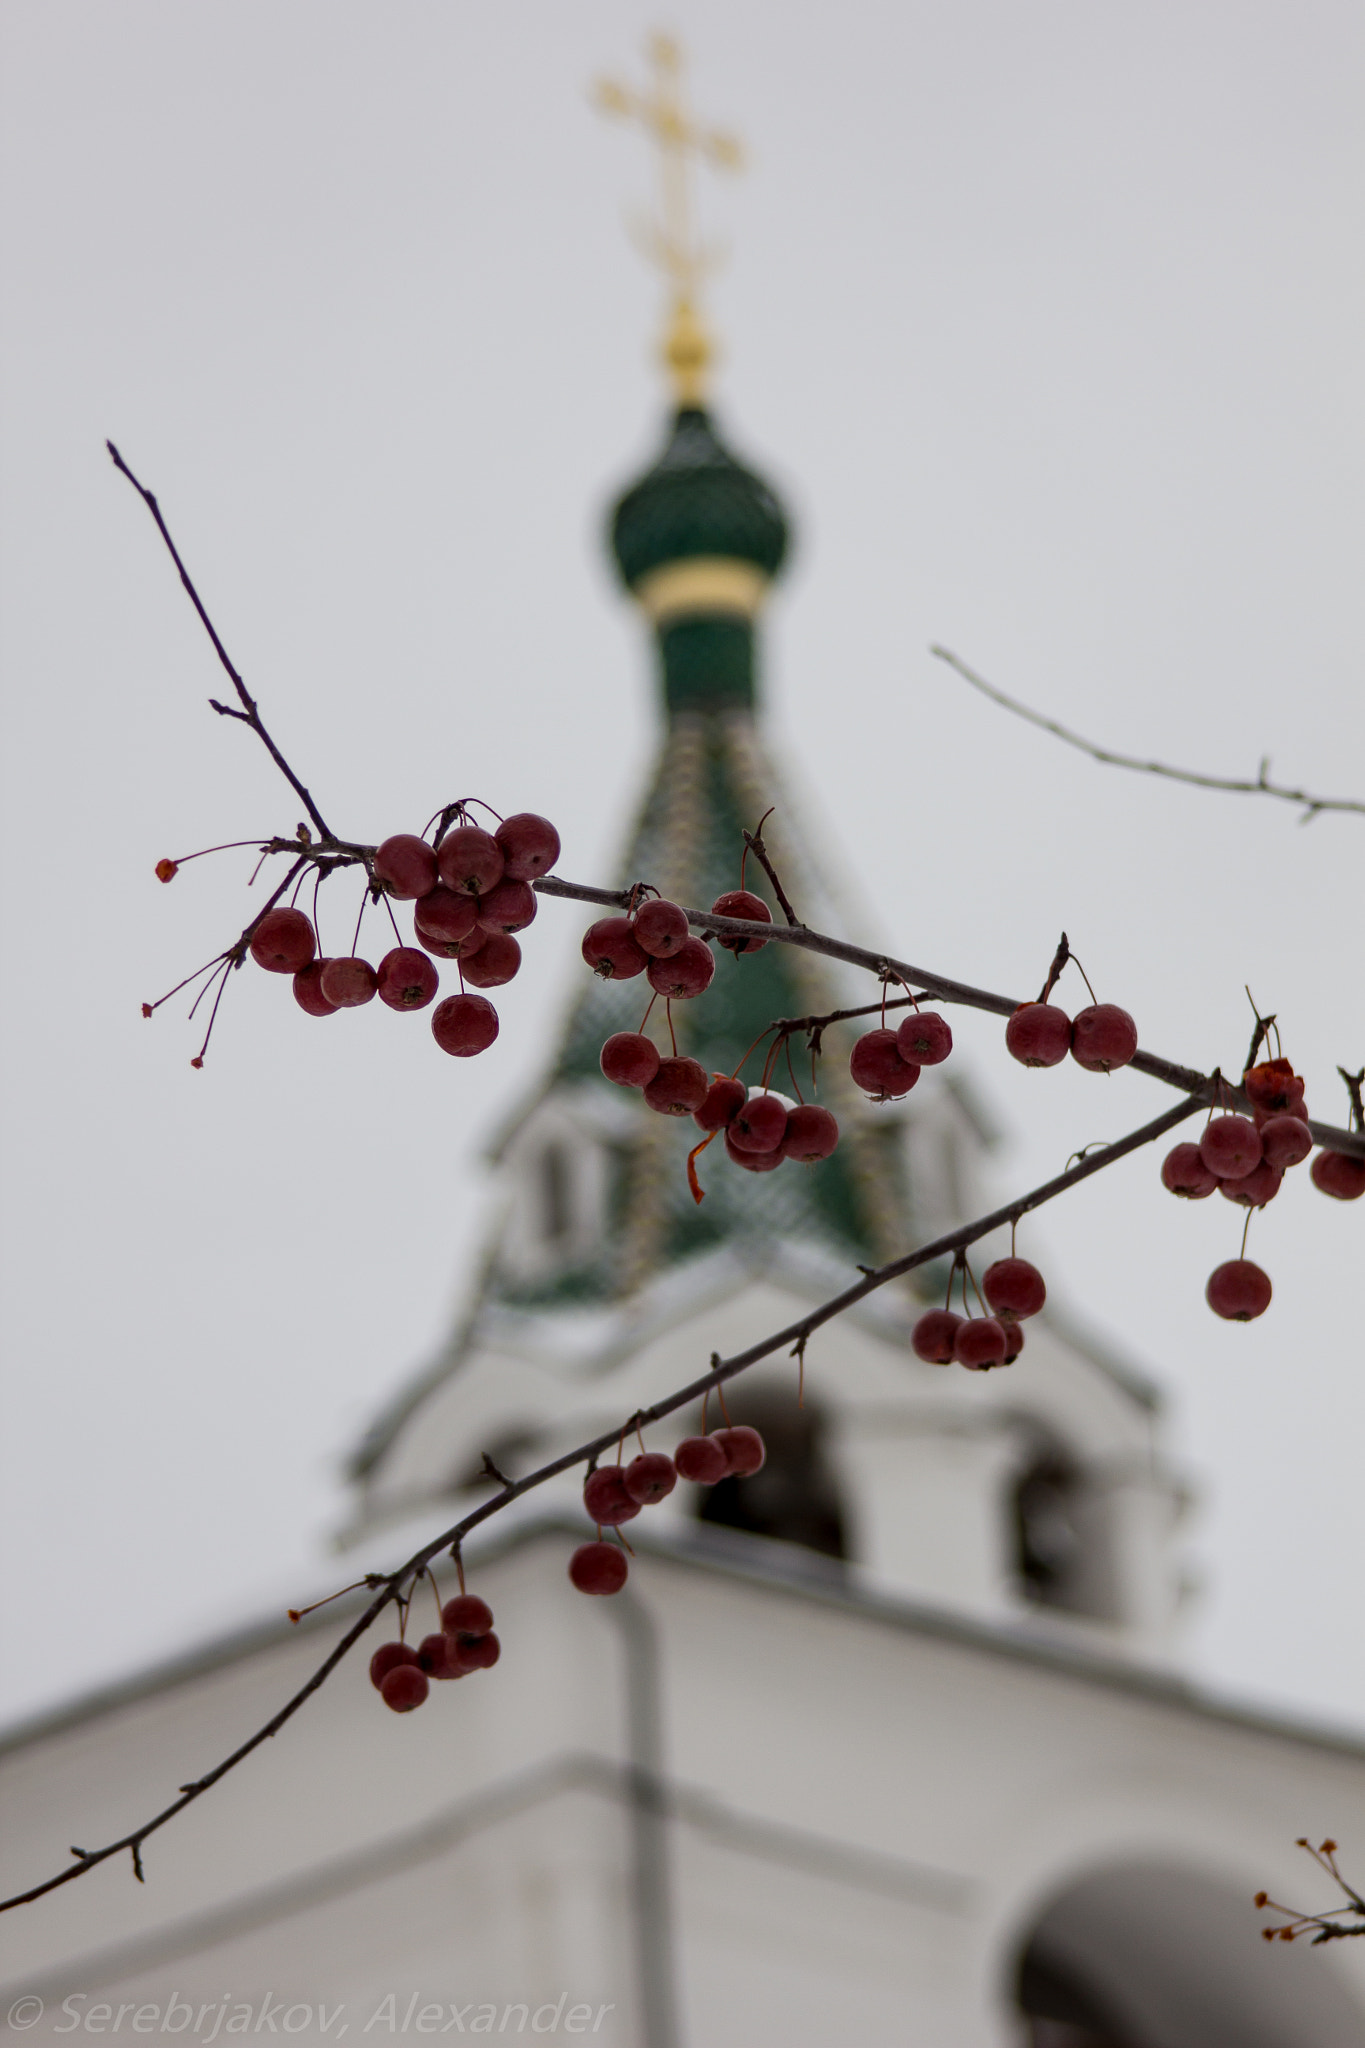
(406, 866)
(598, 1568)
(1230, 1147)
(407, 979)
(433, 1654)
(387, 1658)
(1183, 1171)
(405, 1688)
(1238, 1291)
(685, 973)
(1339, 1174)
(492, 964)
(606, 1499)
(466, 1615)
(924, 1039)
(445, 915)
(1256, 1188)
(308, 990)
(742, 903)
(464, 1025)
(761, 1125)
(1013, 1287)
(1038, 1034)
(1014, 1341)
(529, 845)
(470, 860)
(701, 1459)
(1272, 1086)
(811, 1134)
(480, 1654)
(877, 1067)
(744, 1449)
(678, 1088)
(752, 1162)
(934, 1336)
(610, 950)
(630, 1059)
(660, 928)
(650, 1478)
(1103, 1037)
(509, 907)
(283, 942)
(1285, 1140)
(724, 1100)
(349, 983)
(980, 1344)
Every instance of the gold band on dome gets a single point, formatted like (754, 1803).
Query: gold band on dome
(700, 585)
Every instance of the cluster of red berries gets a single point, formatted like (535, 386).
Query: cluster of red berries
(471, 892)
(1098, 1038)
(466, 1642)
(655, 939)
(1013, 1290)
(613, 1494)
(886, 1064)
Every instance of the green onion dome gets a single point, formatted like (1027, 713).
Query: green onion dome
(697, 502)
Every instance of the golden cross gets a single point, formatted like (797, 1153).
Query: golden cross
(671, 239)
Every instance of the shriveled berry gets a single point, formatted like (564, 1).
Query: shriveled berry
(1285, 1139)
(529, 845)
(701, 1459)
(445, 915)
(660, 927)
(407, 979)
(724, 1099)
(1013, 1287)
(1230, 1146)
(678, 1088)
(283, 942)
(466, 1615)
(1340, 1174)
(650, 1478)
(308, 990)
(934, 1335)
(1272, 1085)
(630, 1059)
(496, 961)
(405, 1688)
(606, 1499)
(598, 1568)
(1103, 1037)
(387, 1658)
(480, 1653)
(1183, 1171)
(1297, 1105)
(433, 1654)
(980, 1343)
(470, 860)
(1238, 1291)
(1038, 1035)
(1256, 1188)
(811, 1134)
(742, 903)
(349, 983)
(464, 1025)
(745, 1450)
(877, 1067)
(509, 907)
(610, 950)
(684, 973)
(752, 1162)
(406, 866)
(924, 1038)
(761, 1125)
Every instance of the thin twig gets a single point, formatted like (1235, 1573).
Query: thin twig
(754, 842)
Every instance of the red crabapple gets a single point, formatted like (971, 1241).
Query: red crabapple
(684, 973)
(349, 983)
(1183, 1171)
(1103, 1037)
(405, 1688)
(877, 1067)
(490, 965)
(811, 1134)
(1038, 1034)
(610, 950)
(407, 979)
(283, 942)
(387, 1658)
(470, 860)
(1338, 1173)
(433, 1654)
(445, 914)
(406, 866)
(678, 1087)
(466, 1615)
(1256, 1188)
(598, 1568)
(742, 903)
(934, 1334)
(660, 927)
(924, 1038)
(1014, 1288)
(308, 990)
(744, 1449)
(701, 1459)
(752, 1162)
(464, 1025)
(1285, 1140)
(650, 1478)
(761, 1125)
(980, 1343)
(1230, 1146)
(1238, 1291)
(1014, 1341)
(482, 1653)
(508, 907)
(1272, 1085)
(605, 1497)
(630, 1059)
(724, 1099)
(529, 845)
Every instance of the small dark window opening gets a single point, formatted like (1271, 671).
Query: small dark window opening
(555, 1205)
(1047, 1540)
(793, 1499)
(1061, 2011)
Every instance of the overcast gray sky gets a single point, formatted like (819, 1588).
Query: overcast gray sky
(1046, 317)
